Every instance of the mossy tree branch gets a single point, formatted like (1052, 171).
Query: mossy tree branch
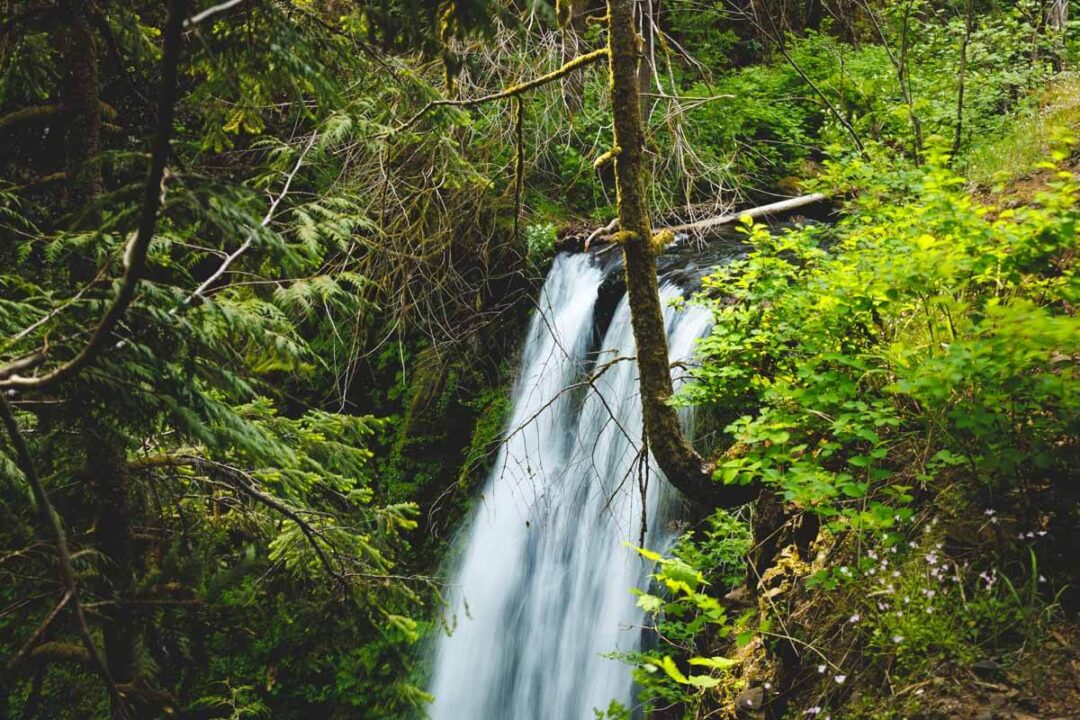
(513, 90)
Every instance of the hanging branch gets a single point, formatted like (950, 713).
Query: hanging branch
(51, 521)
(136, 251)
(519, 164)
(512, 91)
(246, 485)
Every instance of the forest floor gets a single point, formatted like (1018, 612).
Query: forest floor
(1045, 685)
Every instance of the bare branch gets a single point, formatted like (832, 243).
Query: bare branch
(210, 12)
(205, 284)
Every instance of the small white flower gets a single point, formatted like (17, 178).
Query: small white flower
(768, 686)
(1042, 578)
(821, 669)
(898, 639)
(840, 679)
(920, 691)
(990, 512)
(854, 618)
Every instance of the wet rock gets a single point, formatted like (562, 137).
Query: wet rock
(750, 700)
(987, 667)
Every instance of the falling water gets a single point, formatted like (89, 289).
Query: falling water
(542, 589)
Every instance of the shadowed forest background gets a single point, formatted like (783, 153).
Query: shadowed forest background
(267, 266)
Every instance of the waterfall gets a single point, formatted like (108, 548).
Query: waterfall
(542, 587)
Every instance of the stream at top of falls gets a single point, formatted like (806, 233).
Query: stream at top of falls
(541, 589)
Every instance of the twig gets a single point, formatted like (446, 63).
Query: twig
(209, 12)
(41, 629)
(251, 235)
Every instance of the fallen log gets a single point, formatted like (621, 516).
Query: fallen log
(604, 233)
(775, 208)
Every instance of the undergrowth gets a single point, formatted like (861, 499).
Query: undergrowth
(908, 380)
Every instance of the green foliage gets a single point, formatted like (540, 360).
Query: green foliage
(915, 353)
(936, 323)
(540, 241)
(686, 615)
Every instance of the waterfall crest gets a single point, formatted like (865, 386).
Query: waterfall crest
(542, 588)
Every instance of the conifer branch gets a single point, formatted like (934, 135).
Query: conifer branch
(138, 247)
(51, 521)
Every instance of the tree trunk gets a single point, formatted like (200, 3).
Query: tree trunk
(646, 65)
(813, 14)
(1058, 17)
(969, 23)
(107, 468)
(682, 465)
(82, 103)
(1057, 21)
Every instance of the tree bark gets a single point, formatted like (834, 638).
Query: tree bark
(108, 471)
(646, 68)
(813, 15)
(682, 465)
(82, 102)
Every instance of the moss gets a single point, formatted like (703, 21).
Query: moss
(661, 240)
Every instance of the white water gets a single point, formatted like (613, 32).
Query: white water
(543, 586)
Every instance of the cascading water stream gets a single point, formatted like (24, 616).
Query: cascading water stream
(542, 589)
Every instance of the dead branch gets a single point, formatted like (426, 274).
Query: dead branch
(231, 258)
(701, 226)
(761, 211)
